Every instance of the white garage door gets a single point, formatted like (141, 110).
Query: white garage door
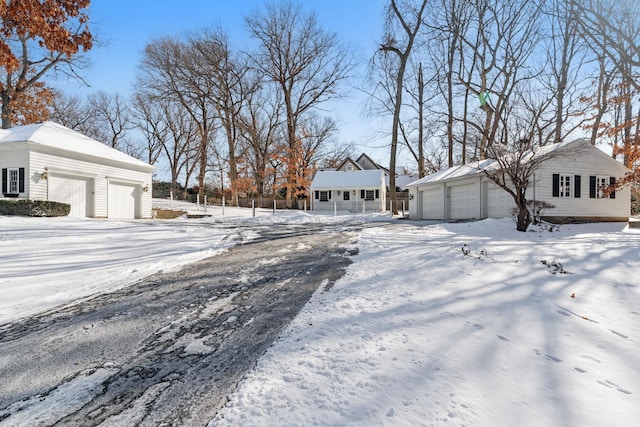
(431, 204)
(463, 202)
(73, 190)
(122, 200)
(499, 202)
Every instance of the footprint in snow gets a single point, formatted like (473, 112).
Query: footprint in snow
(548, 356)
(619, 334)
(611, 384)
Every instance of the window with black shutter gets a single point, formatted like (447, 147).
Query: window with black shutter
(602, 187)
(12, 181)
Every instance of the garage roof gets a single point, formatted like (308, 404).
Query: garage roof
(355, 179)
(56, 136)
(475, 168)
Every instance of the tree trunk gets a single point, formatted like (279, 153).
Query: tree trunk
(6, 110)
(421, 169)
(523, 217)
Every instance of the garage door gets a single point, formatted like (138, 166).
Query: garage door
(74, 190)
(431, 203)
(122, 200)
(499, 202)
(463, 202)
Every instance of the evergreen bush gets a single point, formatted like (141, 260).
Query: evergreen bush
(23, 207)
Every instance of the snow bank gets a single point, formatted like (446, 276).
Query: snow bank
(421, 332)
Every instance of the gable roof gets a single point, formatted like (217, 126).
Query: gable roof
(475, 168)
(348, 160)
(53, 135)
(356, 179)
(367, 163)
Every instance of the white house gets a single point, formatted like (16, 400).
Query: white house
(47, 161)
(348, 191)
(573, 179)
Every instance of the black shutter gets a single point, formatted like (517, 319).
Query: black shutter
(612, 182)
(4, 180)
(330, 191)
(576, 183)
(377, 194)
(555, 192)
(21, 180)
(592, 187)
(317, 194)
(362, 194)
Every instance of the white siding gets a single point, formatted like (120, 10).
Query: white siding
(585, 164)
(16, 158)
(354, 204)
(100, 173)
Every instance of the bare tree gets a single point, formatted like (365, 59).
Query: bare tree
(168, 129)
(70, 111)
(307, 64)
(224, 73)
(110, 120)
(260, 122)
(170, 69)
(513, 169)
(499, 49)
(409, 22)
(151, 120)
(612, 29)
(566, 57)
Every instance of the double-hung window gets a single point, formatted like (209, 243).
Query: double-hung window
(566, 185)
(602, 187)
(566, 189)
(369, 194)
(12, 181)
(602, 183)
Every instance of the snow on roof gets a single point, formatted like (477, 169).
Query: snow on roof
(53, 135)
(475, 168)
(355, 179)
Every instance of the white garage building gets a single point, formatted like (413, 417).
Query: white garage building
(573, 178)
(47, 161)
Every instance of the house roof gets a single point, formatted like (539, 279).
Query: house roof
(53, 135)
(348, 160)
(364, 159)
(356, 179)
(475, 168)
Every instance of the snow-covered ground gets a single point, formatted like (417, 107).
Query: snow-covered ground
(433, 324)
(52, 261)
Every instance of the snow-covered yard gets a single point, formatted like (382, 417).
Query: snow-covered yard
(433, 324)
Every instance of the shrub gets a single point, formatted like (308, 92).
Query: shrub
(22, 207)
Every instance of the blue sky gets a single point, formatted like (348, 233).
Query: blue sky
(125, 26)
